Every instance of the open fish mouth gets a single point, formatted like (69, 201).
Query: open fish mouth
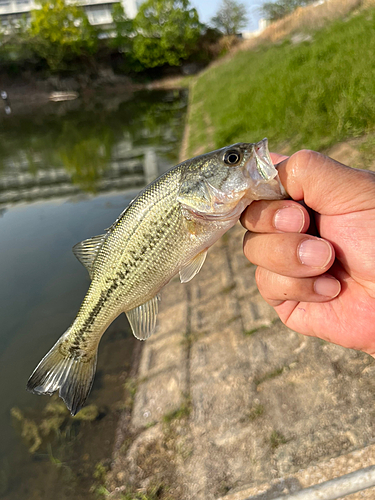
(259, 165)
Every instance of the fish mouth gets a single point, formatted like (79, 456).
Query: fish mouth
(259, 166)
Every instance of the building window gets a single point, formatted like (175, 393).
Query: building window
(99, 16)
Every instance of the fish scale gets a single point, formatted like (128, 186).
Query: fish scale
(165, 230)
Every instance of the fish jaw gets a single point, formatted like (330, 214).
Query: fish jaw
(265, 183)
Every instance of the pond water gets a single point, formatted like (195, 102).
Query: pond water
(67, 170)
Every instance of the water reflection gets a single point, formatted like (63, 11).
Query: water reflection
(83, 150)
(64, 177)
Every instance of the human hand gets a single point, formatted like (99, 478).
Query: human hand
(323, 285)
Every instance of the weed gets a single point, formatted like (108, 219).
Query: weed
(255, 412)
(269, 376)
(180, 413)
(131, 386)
(152, 493)
(228, 288)
(255, 330)
(276, 439)
(131, 389)
(99, 475)
(28, 428)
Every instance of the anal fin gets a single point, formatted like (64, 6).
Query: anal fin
(142, 319)
(193, 267)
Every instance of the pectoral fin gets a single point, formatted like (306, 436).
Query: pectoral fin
(193, 267)
(87, 250)
(142, 319)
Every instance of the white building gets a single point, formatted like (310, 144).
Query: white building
(262, 25)
(99, 12)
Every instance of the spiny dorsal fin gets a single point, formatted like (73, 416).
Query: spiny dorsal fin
(87, 250)
(193, 267)
(142, 319)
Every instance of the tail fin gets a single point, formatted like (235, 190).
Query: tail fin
(72, 374)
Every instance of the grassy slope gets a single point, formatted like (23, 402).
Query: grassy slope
(308, 95)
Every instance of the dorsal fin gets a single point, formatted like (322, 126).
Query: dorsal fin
(87, 250)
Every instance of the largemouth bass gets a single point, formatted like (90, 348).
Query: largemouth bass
(165, 230)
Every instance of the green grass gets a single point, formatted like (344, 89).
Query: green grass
(308, 95)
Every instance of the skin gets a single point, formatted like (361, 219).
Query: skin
(330, 294)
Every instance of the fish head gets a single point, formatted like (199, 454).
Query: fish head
(221, 184)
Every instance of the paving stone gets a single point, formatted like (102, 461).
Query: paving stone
(325, 471)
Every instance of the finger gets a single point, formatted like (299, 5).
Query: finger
(272, 216)
(277, 158)
(326, 186)
(294, 255)
(276, 289)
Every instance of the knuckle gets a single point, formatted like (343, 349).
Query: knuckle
(303, 158)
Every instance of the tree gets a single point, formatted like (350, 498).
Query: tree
(231, 17)
(167, 31)
(123, 29)
(15, 42)
(61, 32)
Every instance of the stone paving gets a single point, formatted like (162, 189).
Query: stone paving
(229, 400)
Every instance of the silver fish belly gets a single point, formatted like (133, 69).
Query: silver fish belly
(166, 230)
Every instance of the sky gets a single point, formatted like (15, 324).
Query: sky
(208, 8)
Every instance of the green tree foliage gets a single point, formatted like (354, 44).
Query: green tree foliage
(167, 31)
(62, 32)
(123, 29)
(272, 11)
(15, 42)
(231, 17)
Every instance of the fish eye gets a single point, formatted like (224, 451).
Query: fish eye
(232, 157)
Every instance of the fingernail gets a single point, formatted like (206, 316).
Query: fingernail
(327, 286)
(289, 219)
(314, 253)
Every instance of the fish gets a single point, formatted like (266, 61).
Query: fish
(167, 229)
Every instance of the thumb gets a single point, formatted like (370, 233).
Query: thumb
(325, 185)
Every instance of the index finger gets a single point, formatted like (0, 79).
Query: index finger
(325, 185)
(277, 158)
(267, 216)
